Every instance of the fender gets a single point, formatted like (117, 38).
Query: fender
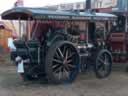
(54, 39)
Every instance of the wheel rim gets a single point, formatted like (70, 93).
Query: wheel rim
(103, 64)
(64, 63)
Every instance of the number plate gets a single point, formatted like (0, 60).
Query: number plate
(20, 67)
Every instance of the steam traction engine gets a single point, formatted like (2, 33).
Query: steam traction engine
(62, 43)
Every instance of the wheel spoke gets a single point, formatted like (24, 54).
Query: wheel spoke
(101, 60)
(71, 54)
(106, 61)
(102, 67)
(57, 55)
(64, 50)
(57, 61)
(71, 66)
(60, 52)
(69, 61)
(56, 65)
(67, 73)
(60, 74)
(67, 68)
(58, 69)
(66, 57)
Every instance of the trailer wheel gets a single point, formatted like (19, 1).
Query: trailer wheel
(62, 63)
(103, 64)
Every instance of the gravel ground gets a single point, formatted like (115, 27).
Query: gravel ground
(86, 84)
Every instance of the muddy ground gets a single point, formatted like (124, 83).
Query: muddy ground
(86, 84)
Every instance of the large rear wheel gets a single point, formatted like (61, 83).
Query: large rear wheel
(62, 63)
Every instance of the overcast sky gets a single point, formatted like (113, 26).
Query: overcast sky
(6, 4)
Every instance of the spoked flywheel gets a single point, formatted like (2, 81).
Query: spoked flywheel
(103, 64)
(62, 63)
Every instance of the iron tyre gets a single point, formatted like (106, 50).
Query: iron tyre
(62, 63)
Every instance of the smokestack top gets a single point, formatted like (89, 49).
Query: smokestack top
(88, 4)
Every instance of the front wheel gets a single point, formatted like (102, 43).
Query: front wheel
(62, 63)
(103, 63)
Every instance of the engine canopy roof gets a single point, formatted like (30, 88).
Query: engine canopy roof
(25, 13)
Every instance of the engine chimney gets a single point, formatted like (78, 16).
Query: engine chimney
(88, 4)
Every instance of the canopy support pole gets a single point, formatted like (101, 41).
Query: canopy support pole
(28, 29)
(19, 27)
(87, 37)
(126, 23)
(105, 30)
(109, 26)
